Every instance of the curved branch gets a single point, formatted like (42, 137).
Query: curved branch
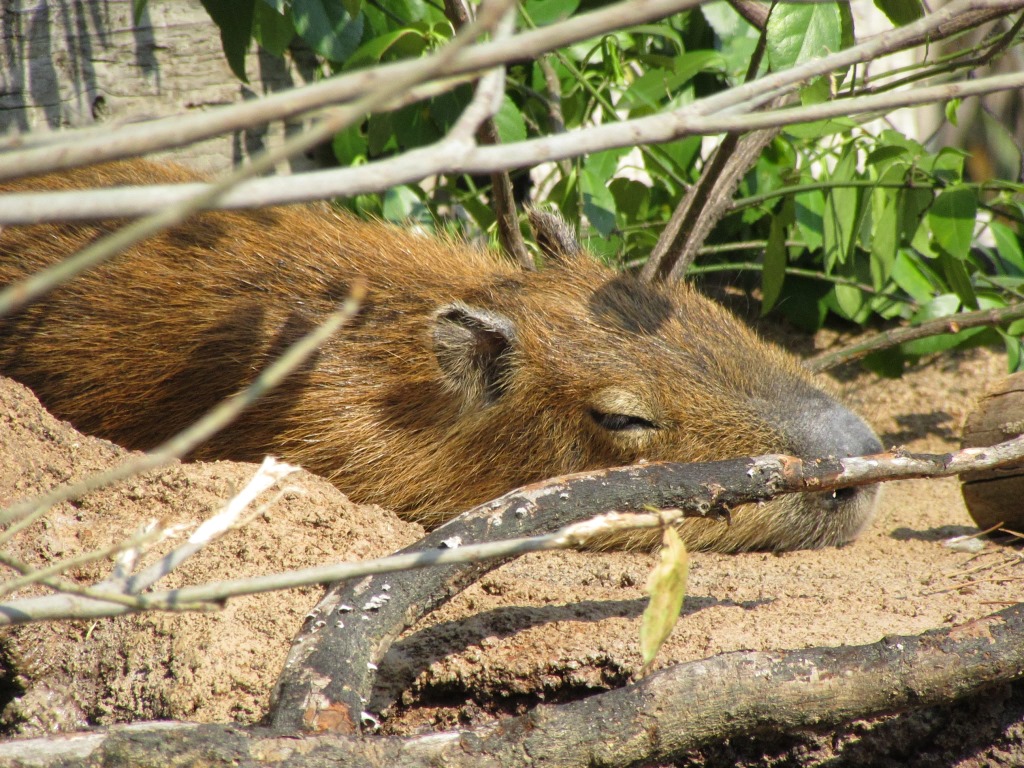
(897, 336)
(317, 693)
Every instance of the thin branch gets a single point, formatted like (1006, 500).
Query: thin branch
(478, 119)
(675, 710)
(675, 487)
(269, 474)
(708, 200)
(18, 294)
(28, 208)
(754, 11)
(100, 145)
(897, 336)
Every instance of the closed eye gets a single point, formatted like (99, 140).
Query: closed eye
(622, 422)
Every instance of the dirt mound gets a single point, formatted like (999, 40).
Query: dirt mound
(205, 667)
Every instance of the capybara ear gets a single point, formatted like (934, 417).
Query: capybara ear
(555, 236)
(473, 347)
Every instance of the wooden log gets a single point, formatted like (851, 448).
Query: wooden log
(996, 496)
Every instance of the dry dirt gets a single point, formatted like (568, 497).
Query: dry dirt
(547, 627)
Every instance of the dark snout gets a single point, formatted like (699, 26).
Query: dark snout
(829, 429)
(820, 427)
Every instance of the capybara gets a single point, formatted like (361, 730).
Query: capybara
(461, 377)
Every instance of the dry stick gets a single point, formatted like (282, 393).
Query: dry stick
(100, 146)
(681, 708)
(756, 13)
(708, 200)
(897, 336)
(22, 514)
(122, 590)
(316, 692)
(692, 490)
(489, 93)
(446, 156)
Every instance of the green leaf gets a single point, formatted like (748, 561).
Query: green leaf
(909, 275)
(401, 203)
(380, 133)
(798, 32)
(138, 8)
(667, 589)
(885, 226)
(604, 164)
(272, 30)
(510, 123)
(952, 218)
(544, 12)
(951, 107)
(901, 12)
(328, 28)
(724, 19)
(598, 202)
(1008, 245)
(632, 198)
(350, 146)
(1014, 352)
(776, 258)
(234, 20)
(956, 275)
(409, 41)
(818, 91)
(850, 301)
(841, 212)
(810, 211)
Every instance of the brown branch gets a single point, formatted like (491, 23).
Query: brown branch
(317, 693)
(756, 13)
(897, 336)
(503, 199)
(703, 206)
(710, 198)
(675, 710)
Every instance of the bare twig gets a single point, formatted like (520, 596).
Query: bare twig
(99, 146)
(204, 196)
(897, 336)
(674, 487)
(708, 200)
(696, 489)
(27, 208)
(479, 119)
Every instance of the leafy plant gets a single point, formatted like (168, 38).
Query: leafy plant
(840, 218)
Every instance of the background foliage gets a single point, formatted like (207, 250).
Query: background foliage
(838, 219)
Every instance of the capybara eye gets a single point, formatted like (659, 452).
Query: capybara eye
(621, 422)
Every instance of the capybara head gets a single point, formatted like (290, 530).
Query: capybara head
(461, 378)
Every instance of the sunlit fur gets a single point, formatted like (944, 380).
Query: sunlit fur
(388, 410)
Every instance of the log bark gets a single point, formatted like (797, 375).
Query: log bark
(669, 713)
(72, 65)
(993, 496)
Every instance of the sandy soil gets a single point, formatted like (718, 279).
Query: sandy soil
(547, 627)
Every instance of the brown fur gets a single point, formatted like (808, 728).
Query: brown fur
(461, 378)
